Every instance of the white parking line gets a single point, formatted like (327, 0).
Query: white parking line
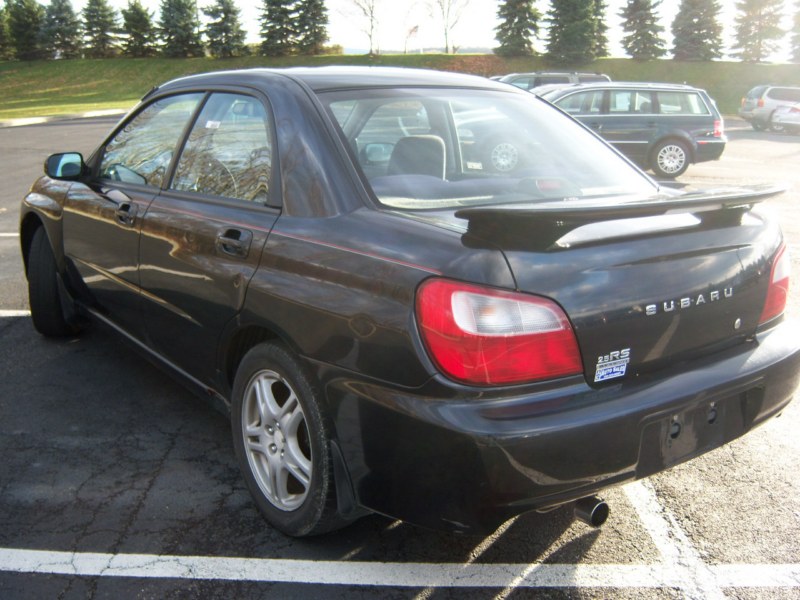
(2, 235)
(14, 313)
(380, 574)
(674, 545)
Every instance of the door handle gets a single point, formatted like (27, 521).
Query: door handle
(234, 242)
(126, 213)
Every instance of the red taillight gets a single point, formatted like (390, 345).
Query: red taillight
(794, 109)
(778, 291)
(719, 128)
(760, 103)
(486, 336)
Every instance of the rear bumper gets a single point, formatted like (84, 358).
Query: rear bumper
(709, 149)
(469, 464)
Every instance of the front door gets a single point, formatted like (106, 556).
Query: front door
(103, 218)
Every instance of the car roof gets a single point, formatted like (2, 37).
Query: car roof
(342, 77)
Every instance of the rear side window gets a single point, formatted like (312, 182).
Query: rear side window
(630, 101)
(681, 103)
(141, 152)
(229, 151)
(548, 79)
(785, 94)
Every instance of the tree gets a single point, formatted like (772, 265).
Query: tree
(6, 50)
(224, 31)
(519, 24)
(140, 33)
(758, 28)
(25, 19)
(180, 29)
(369, 10)
(99, 27)
(697, 31)
(277, 28)
(796, 35)
(60, 35)
(600, 29)
(449, 11)
(312, 26)
(643, 40)
(573, 31)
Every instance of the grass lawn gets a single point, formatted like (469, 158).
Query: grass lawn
(44, 88)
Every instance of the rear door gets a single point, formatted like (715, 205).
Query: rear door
(202, 237)
(630, 122)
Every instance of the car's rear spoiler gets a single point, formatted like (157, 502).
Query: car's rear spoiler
(543, 225)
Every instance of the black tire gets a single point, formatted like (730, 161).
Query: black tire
(47, 312)
(282, 441)
(757, 126)
(776, 127)
(670, 159)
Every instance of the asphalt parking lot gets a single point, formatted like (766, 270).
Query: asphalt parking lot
(117, 483)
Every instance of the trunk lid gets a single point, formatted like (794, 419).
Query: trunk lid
(645, 283)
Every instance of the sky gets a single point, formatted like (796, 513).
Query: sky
(475, 28)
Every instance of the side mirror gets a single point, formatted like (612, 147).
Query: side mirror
(66, 165)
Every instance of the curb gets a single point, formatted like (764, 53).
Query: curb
(93, 114)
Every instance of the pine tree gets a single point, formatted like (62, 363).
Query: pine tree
(601, 29)
(277, 28)
(6, 50)
(61, 30)
(312, 26)
(180, 29)
(643, 40)
(224, 32)
(697, 31)
(100, 26)
(519, 24)
(140, 33)
(795, 41)
(573, 31)
(758, 28)
(25, 19)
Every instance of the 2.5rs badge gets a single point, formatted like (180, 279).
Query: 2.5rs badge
(612, 365)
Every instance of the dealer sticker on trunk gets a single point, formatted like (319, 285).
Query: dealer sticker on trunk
(612, 365)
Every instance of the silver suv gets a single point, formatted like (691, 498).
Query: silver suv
(528, 81)
(760, 102)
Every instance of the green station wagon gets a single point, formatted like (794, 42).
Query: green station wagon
(664, 127)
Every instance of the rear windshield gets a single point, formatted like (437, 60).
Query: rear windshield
(434, 148)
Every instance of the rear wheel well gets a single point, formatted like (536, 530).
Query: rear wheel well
(240, 344)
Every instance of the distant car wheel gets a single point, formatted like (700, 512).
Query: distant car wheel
(757, 126)
(47, 312)
(502, 155)
(670, 159)
(282, 442)
(776, 127)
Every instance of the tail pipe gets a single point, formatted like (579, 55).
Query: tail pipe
(591, 510)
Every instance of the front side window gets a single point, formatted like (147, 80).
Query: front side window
(582, 103)
(229, 151)
(423, 149)
(141, 152)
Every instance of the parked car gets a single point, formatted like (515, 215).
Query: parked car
(392, 324)
(664, 127)
(787, 118)
(760, 103)
(529, 81)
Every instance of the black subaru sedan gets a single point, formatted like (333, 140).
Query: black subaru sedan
(401, 310)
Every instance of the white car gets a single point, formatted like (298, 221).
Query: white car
(787, 118)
